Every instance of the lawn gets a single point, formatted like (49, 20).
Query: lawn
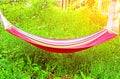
(20, 60)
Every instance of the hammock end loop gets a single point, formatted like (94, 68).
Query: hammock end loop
(113, 27)
(6, 24)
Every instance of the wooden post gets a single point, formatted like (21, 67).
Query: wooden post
(68, 2)
(99, 4)
(65, 4)
(62, 4)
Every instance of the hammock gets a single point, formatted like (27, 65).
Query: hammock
(67, 45)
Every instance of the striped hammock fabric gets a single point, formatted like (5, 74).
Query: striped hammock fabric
(64, 46)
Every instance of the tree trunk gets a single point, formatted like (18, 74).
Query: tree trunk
(65, 4)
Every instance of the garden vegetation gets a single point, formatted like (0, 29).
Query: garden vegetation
(20, 60)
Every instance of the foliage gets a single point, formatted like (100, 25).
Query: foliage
(21, 60)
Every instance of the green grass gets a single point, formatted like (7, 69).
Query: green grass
(21, 60)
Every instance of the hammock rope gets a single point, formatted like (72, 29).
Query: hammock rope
(67, 45)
